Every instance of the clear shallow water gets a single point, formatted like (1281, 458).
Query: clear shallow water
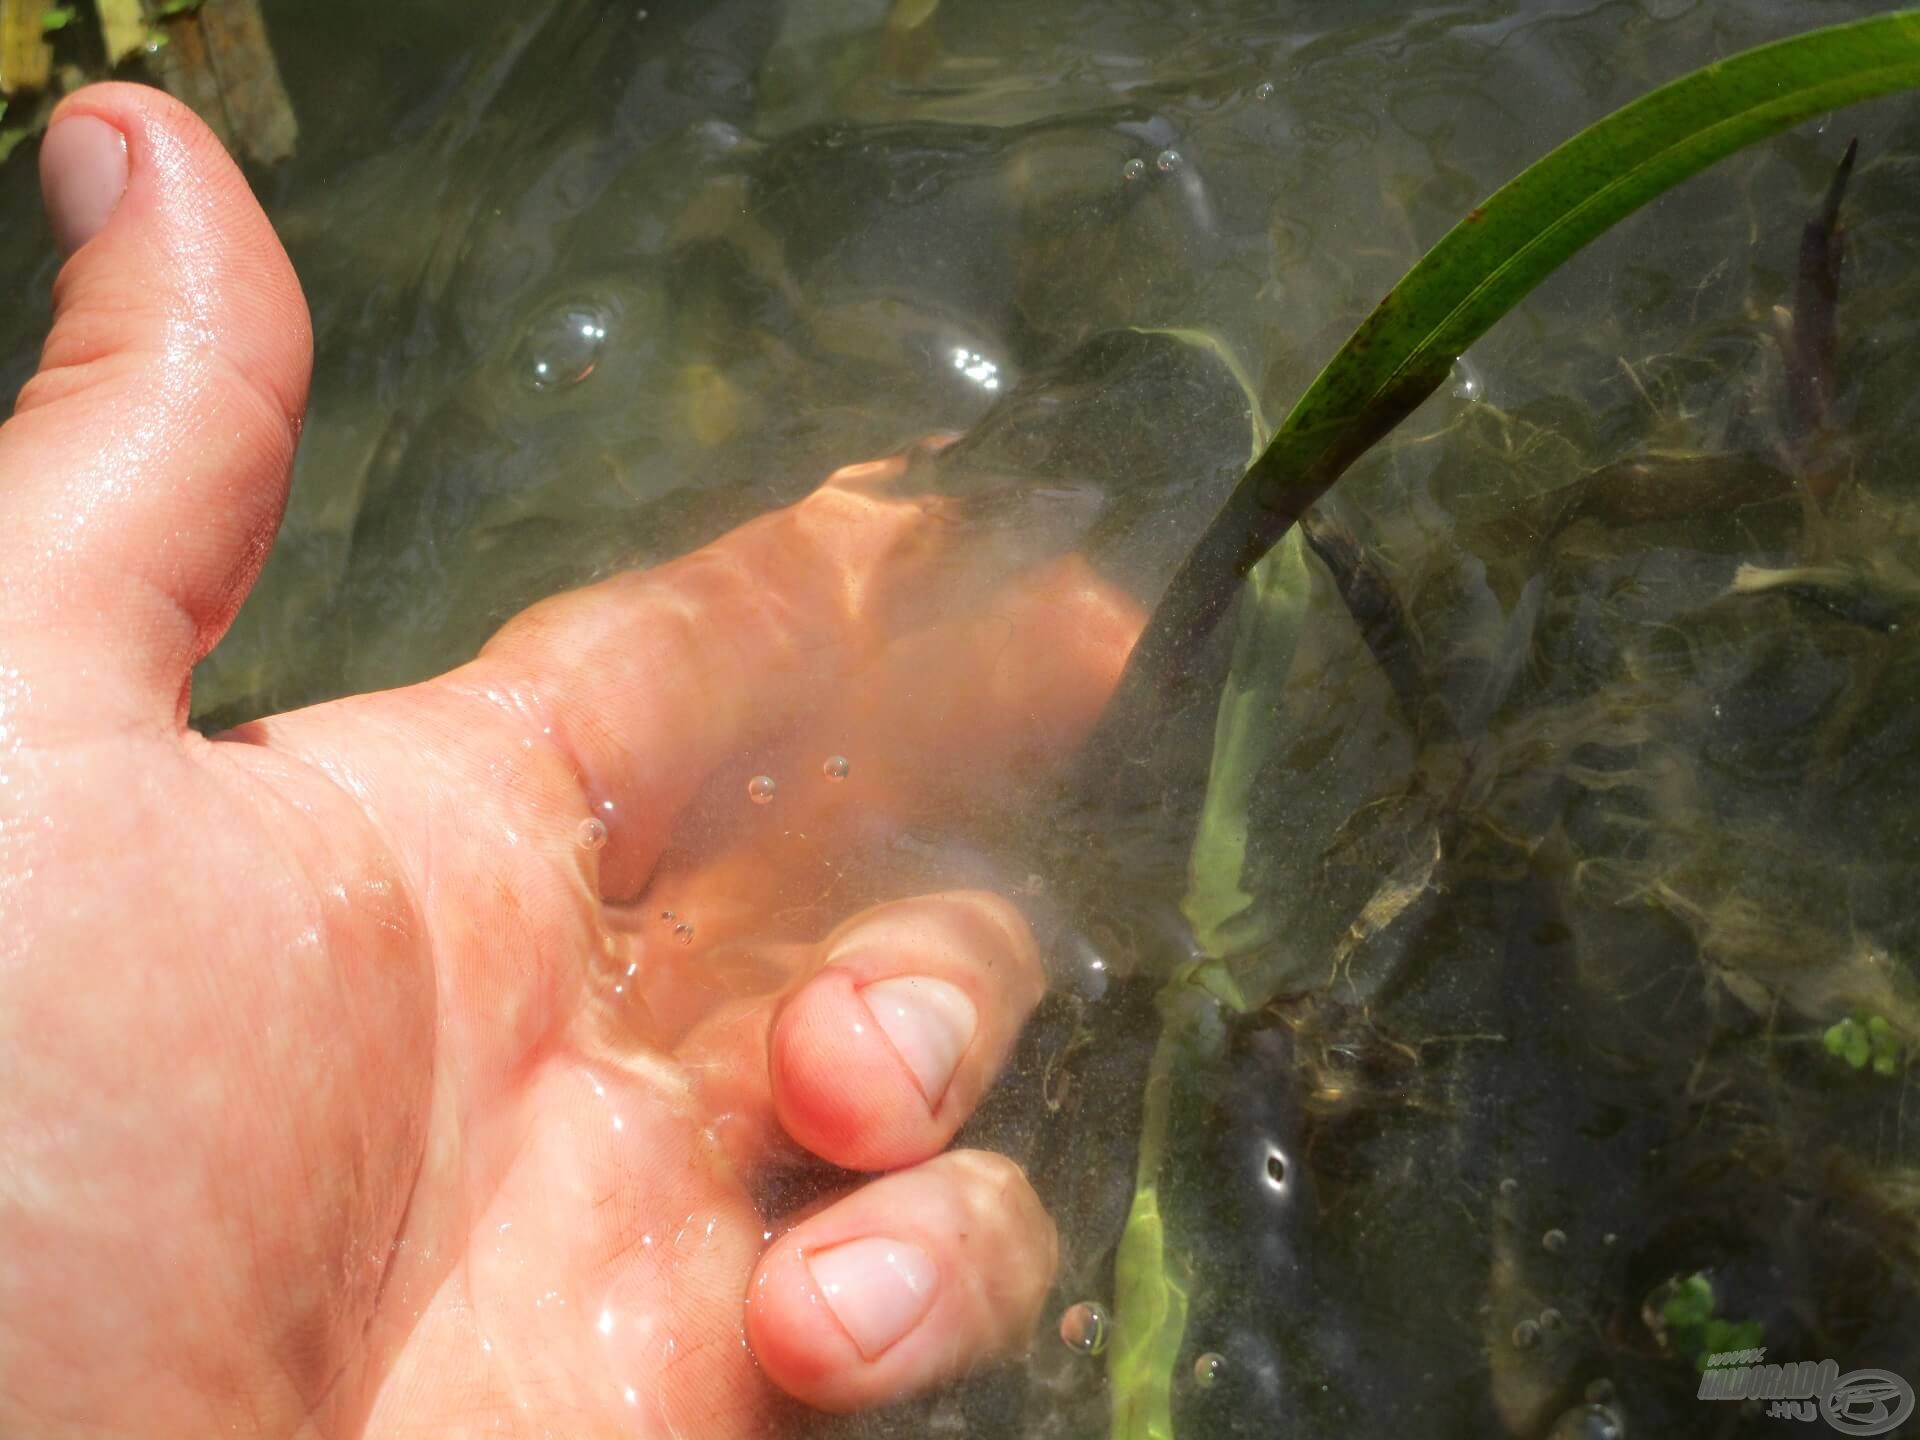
(590, 288)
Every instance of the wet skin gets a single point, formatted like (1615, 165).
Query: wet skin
(343, 1090)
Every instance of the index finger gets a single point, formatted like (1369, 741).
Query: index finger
(652, 681)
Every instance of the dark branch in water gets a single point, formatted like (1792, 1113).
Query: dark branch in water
(1298, 467)
(1816, 299)
(1377, 613)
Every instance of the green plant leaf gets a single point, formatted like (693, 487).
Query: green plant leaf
(1691, 1303)
(57, 17)
(1483, 267)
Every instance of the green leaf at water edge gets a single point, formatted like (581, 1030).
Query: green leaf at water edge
(1485, 265)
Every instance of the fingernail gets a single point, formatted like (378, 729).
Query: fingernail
(877, 1289)
(83, 174)
(930, 1023)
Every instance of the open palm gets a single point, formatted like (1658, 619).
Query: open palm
(404, 1065)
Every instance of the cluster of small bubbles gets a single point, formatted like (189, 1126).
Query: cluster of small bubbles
(1264, 90)
(1550, 1320)
(1084, 1327)
(1167, 161)
(1134, 169)
(1554, 1241)
(592, 833)
(760, 789)
(563, 347)
(836, 767)
(1208, 1369)
(1525, 1335)
(683, 932)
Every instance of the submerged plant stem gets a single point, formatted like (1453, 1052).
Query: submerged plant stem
(1150, 1306)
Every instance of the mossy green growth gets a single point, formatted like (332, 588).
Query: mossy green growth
(1863, 1040)
(1694, 1328)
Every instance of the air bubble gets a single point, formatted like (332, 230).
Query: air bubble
(1084, 1327)
(836, 767)
(1550, 1320)
(1525, 1335)
(562, 347)
(592, 833)
(1263, 91)
(760, 789)
(1134, 169)
(1208, 1369)
(683, 932)
(1554, 1241)
(1167, 161)
(1467, 384)
(1276, 1169)
(1509, 1187)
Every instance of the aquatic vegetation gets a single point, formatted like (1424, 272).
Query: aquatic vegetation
(1248, 926)
(1861, 1040)
(1690, 1327)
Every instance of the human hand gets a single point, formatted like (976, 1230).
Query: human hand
(351, 1081)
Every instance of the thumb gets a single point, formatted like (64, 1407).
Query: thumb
(144, 469)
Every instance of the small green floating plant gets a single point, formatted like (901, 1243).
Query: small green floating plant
(1863, 1040)
(1694, 1330)
(1398, 357)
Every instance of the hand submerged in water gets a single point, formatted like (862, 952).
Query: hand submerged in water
(352, 1080)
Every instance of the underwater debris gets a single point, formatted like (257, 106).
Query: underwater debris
(26, 58)
(1377, 610)
(1661, 486)
(212, 54)
(1856, 598)
(1816, 300)
(124, 28)
(216, 56)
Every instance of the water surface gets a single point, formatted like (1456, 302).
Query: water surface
(593, 284)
